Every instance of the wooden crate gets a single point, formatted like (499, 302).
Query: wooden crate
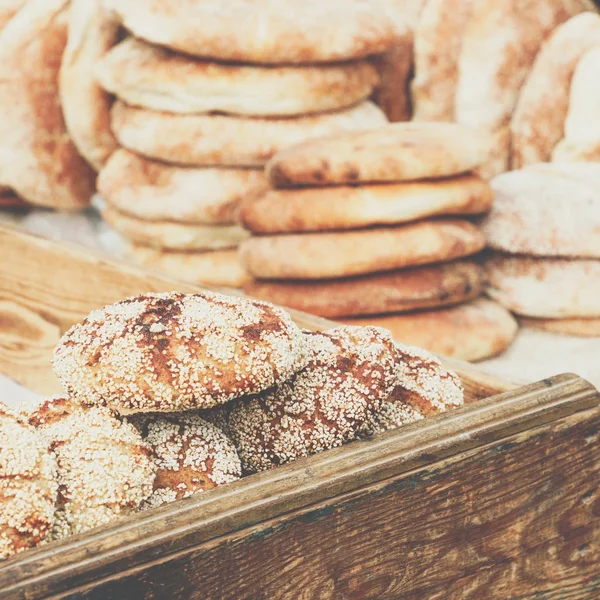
(497, 499)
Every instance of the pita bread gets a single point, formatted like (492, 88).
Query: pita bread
(86, 106)
(538, 121)
(260, 31)
(545, 287)
(442, 25)
(225, 140)
(9, 200)
(346, 207)
(575, 327)
(473, 331)
(500, 43)
(496, 161)
(582, 126)
(341, 254)
(544, 213)
(8, 9)
(171, 235)
(398, 291)
(37, 158)
(398, 152)
(585, 172)
(155, 191)
(220, 267)
(153, 77)
(575, 152)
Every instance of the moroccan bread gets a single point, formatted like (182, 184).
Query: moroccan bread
(574, 326)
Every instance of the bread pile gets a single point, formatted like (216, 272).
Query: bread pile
(202, 102)
(168, 395)
(544, 229)
(369, 226)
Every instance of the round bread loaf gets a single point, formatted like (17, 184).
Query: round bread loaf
(545, 212)
(172, 351)
(227, 140)
(545, 287)
(172, 235)
(260, 31)
(578, 327)
(398, 152)
(104, 468)
(217, 267)
(472, 331)
(28, 488)
(152, 77)
(350, 372)
(398, 291)
(351, 207)
(154, 191)
(345, 253)
(190, 454)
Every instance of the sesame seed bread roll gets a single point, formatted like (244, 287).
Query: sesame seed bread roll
(190, 454)
(260, 31)
(396, 152)
(397, 291)
(228, 140)
(474, 331)
(28, 488)
(173, 351)
(351, 370)
(155, 78)
(351, 207)
(154, 191)
(104, 468)
(342, 254)
(578, 327)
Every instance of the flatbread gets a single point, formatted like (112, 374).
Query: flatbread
(342, 254)
(441, 25)
(398, 291)
(155, 191)
(219, 267)
(538, 121)
(500, 43)
(153, 77)
(348, 207)
(398, 152)
(260, 31)
(545, 213)
(582, 127)
(37, 158)
(226, 140)
(8, 9)
(545, 287)
(473, 331)
(576, 327)
(86, 106)
(577, 151)
(174, 236)
(9, 200)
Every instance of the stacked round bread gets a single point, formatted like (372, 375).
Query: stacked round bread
(372, 226)
(544, 229)
(169, 395)
(205, 94)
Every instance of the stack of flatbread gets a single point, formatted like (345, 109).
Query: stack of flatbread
(544, 230)
(373, 227)
(206, 92)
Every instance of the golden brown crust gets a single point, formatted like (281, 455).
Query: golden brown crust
(155, 78)
(577, 327)
(473, 331)
(214, 267)
(227, 140)
(399, 291)
(154, 191)
(260, 31)
(538, 121)
(172, 351)
(41, 162)
(350, 207)
(350, 372)
(86, 106)
(342, 254)
(398, 152)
